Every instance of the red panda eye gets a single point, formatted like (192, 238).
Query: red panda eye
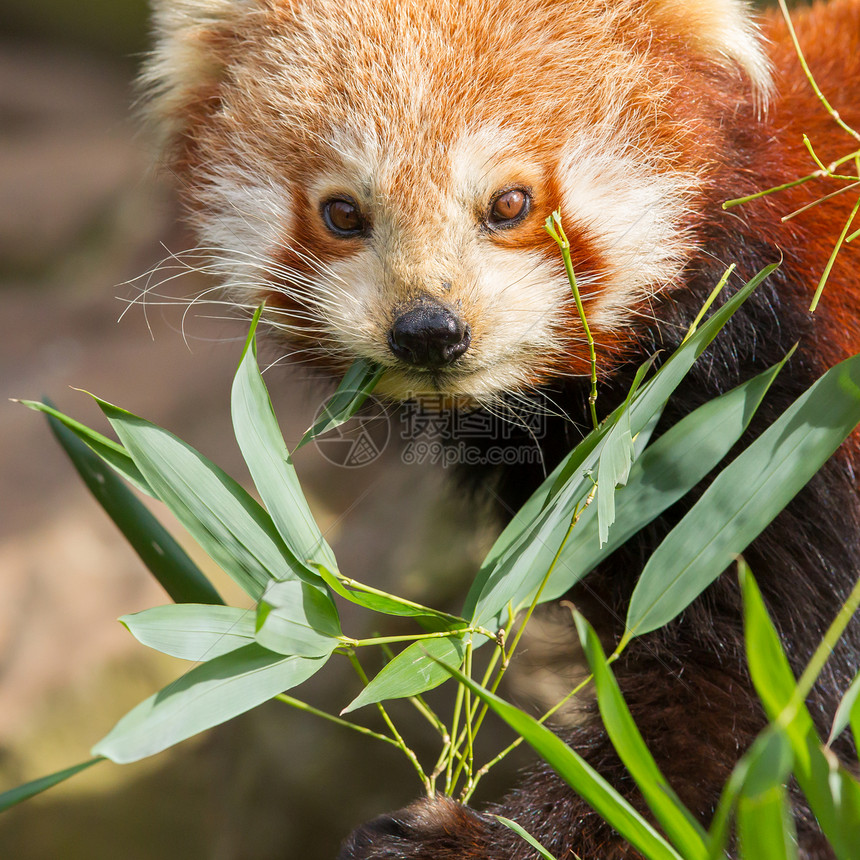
(342, 217)
(508, 208)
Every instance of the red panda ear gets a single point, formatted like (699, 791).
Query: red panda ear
(722, 29)
(185, 59)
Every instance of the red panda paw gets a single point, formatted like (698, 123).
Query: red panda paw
(435, 828)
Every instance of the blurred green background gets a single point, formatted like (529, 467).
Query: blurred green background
(82, 212)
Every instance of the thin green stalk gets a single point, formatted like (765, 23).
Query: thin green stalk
(499, 651)
(710, 300)
(739, 201)
(428, 788)
(469, 758)
(414, 637)
(470, 789)
(809, 148)
(455, 724)
(577, 513)
(828, 171)
(806, 70)
(824, 199)
(839, 161)
(554, 228)
(822, 655)
(826, 273)
(310, 709)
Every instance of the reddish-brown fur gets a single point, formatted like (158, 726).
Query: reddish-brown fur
(297, 94)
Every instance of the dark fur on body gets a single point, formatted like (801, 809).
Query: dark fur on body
(687, 684)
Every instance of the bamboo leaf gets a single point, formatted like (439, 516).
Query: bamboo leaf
(613, 469)
(389, 604)
(677, 822)
(745, 497)
(296, 618)
(24, 792)
(354, 389)
(664, 473)
(162, 555)
(580, 776)
(765, 823)
(269, 462)
(191, 631)
(833, 794)
(111, 452)
(766, 762)
(524, 834)
(208, 695)
(512, 575)
(766, 826)
(845, 712)
(416, 669)
(225, 520)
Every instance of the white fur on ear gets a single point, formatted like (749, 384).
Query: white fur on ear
(183, 59)
(723, 29)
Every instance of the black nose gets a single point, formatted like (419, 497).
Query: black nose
(429, 335)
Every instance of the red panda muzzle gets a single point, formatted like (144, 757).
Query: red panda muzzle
(428, 335)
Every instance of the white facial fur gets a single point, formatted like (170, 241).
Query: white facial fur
(636, 212)
(511, 299)
(514, 300)
(267, 134)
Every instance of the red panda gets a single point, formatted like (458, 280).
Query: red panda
(380, 173)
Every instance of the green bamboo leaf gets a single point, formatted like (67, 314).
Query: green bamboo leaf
(767, 762)
(191, 631)
(296, 618)
(162, 555)
(208, 695)
(845, 712)
(356, 385)
(513, 574)
(517, 531)
(664, 473)
(833, 794)
(745, 497)
(854, 719)
(613, 469)
(524, 834)
(766, 826)
(416, 669)
(24, 792)
(269, 462)
(111, 452)
(765, 823)
(389, 604)
(677, 822)
(654, 393)
(579, 775)
(659, 388)
(225, 520)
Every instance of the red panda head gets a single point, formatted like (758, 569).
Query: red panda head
(381, 172)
